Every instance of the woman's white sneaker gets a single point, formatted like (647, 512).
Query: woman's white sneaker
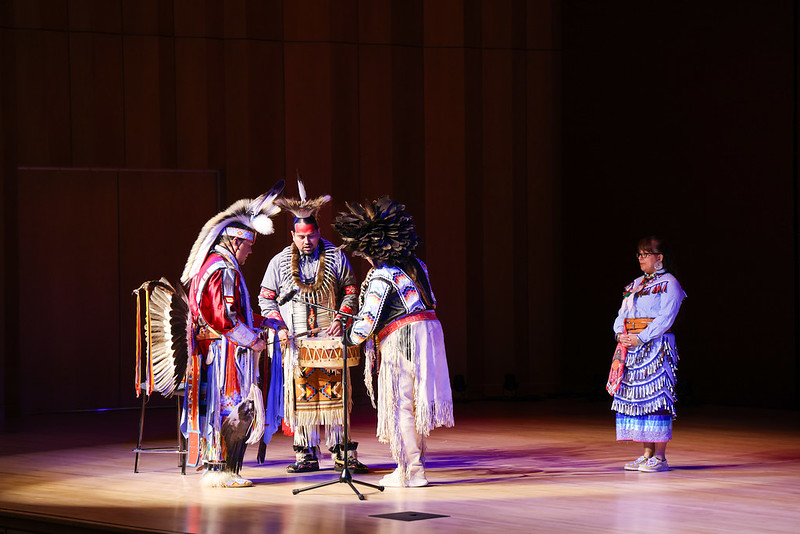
(634, 465)
(653, 465)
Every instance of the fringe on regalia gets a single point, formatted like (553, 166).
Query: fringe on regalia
(650, 377)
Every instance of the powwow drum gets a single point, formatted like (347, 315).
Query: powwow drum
(326, 352)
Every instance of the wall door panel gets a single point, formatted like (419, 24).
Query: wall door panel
(68, 297)
(89, 238)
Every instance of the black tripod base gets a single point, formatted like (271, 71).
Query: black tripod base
(344, 478)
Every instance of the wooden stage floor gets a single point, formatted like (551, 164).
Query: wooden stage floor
(507, 466)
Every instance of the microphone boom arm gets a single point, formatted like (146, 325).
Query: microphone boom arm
(296, 299)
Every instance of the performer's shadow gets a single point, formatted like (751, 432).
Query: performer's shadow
(486, 466)
(325, 473)
(299, 479)
(712, 466)
(504, 465)
(513, 458)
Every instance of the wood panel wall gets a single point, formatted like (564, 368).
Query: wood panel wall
(89, 237)
(452, 107)
(679, 120)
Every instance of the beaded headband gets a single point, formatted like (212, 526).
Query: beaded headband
(241, 233)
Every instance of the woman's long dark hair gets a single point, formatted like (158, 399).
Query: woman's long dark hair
(413, 269)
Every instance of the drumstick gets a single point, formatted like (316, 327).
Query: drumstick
(306, 333)
(301, 334)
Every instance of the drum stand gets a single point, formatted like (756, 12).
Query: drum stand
(346, 477)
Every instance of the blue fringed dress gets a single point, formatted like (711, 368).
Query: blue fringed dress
(645, 400)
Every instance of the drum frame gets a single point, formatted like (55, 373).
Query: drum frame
(353, 353)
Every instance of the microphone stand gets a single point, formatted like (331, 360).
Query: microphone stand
(346, 477)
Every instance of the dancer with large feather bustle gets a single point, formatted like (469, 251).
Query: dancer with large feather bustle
(317, 272)
(223, 405)
(397, 320)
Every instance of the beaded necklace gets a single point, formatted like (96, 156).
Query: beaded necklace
(646, 280)
(319, 282)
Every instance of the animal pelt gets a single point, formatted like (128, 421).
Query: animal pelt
(252, 213)
(224, 479)
(218, 479)
(243, 426)
(302, 207)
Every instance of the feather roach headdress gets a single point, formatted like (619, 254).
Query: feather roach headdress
(251, 213)
(381, 230)
(303, 208)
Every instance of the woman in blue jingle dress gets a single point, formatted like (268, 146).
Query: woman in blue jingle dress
(645, 400)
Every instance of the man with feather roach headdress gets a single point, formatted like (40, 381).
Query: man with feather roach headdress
(223, 409)
(316, 272)
(396, 320)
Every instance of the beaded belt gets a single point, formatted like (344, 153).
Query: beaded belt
(636, 325)
(427, 315)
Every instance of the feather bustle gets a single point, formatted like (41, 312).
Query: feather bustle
(167, 341)
(380, 229)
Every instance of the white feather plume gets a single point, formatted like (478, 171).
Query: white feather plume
(252, 213)
(301, 189)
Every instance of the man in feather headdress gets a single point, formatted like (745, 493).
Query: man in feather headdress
(397, 320)
(223, 405)
(316, 271)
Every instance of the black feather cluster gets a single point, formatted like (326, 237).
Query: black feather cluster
(381, 230)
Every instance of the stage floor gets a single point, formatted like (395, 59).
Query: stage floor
(507, 466)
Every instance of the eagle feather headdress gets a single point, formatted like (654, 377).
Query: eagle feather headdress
(381, 230)
(303, 208)
(252, 213)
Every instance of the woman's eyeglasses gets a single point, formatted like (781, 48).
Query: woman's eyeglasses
(640, 255)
